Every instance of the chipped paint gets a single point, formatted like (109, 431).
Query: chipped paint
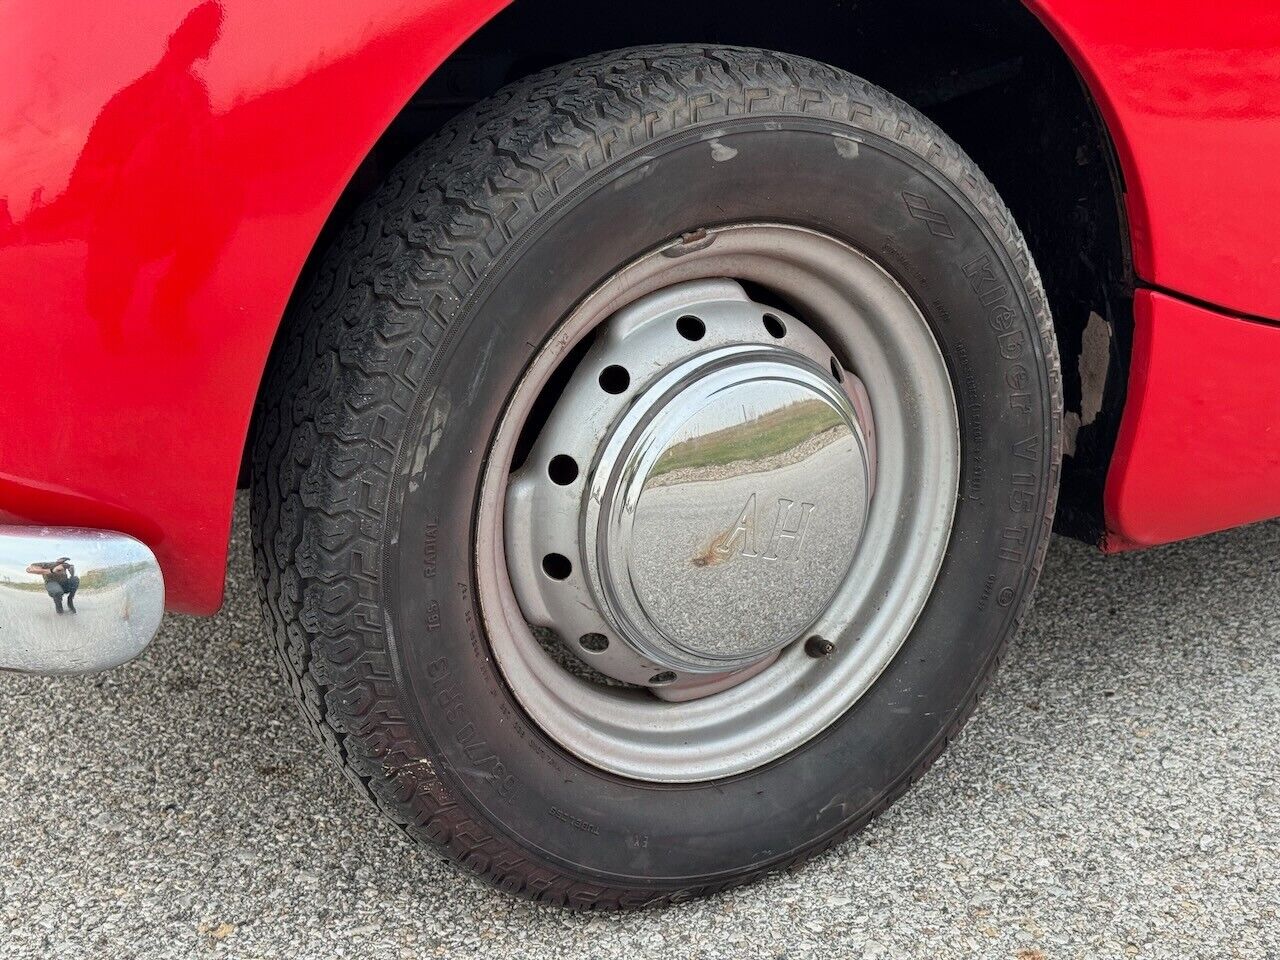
(1095, 358)
(1092, 365)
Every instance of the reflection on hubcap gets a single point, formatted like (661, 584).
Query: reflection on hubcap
(702, 482)
(733, 514)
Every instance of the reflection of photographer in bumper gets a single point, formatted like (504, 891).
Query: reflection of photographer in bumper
(60, 580)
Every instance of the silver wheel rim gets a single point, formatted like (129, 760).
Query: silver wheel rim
(844, 304)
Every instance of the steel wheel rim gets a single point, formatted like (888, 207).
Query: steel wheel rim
(867, 316)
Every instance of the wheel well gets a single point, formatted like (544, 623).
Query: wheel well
(988, 73)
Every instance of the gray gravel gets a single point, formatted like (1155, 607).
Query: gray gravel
(1115, 795)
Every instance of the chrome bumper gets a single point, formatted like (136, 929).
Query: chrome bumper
(98, 611)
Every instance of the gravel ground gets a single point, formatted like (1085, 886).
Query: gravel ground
(1115, 795)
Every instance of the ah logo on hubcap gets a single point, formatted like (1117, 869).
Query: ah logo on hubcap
(786, 541)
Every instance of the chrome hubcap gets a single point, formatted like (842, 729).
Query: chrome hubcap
(708, 469)
(735, 532)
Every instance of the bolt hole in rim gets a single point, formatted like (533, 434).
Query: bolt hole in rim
(614, 379)
(691, 328)
(594, 642)
(557, 566)
(562, 470)
(788, 696)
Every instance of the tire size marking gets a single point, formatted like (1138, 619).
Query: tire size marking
(483, 761)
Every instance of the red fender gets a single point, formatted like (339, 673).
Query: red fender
(164, 173)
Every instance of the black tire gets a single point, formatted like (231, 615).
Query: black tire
(399, 361)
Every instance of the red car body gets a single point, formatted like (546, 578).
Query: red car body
(161, 190)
